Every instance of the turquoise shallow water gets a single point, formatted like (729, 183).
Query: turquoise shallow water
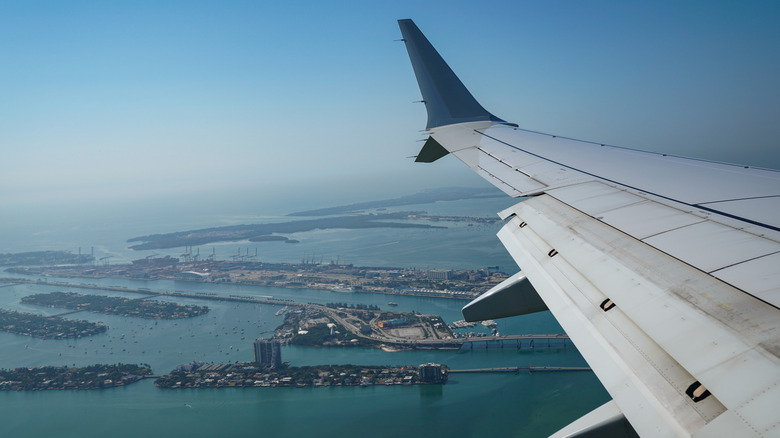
(474, 406)
(468, 406)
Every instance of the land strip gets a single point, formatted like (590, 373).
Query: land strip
(47, 327)
(250, 374)
(439, 283)
(426, 197)
(140, 308)
(58, 378)
(261, 232)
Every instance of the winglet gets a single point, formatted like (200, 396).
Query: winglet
(446, 98)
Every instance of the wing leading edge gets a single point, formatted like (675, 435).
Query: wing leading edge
(661, 269)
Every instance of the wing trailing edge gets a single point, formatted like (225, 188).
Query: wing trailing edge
(606, 420)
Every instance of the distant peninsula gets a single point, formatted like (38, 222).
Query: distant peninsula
(352, 216)
(424, 197)
(266, 232)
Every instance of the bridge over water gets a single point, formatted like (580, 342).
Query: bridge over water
(503, 341)
(516, 370)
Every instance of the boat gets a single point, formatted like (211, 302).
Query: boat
(392, 304)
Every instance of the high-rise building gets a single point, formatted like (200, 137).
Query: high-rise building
(268, 353)
(432, 373)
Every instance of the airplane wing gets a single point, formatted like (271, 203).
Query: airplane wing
(663, 270)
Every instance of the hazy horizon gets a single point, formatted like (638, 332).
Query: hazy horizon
(121, 101)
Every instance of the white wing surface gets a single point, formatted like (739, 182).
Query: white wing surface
(663, 270)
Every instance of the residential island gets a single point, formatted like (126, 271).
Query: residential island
(252, 374)
(139, 308)
(59, 378)
(47, 327)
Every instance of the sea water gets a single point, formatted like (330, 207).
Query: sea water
(469, 405)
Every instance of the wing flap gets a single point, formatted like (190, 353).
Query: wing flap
(722, 326)
(616, 348)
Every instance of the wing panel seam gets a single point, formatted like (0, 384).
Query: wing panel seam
(739, 218)
(744, 261)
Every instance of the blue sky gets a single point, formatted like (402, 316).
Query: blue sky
(135, 99)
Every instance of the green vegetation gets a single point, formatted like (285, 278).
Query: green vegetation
(89, 377)
(116, 305)
(320, 336)
(47, 327)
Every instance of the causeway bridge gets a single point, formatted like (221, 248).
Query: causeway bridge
(477, 342)
(516, 370)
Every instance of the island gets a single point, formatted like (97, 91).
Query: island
(59, 378)
(47, 327)
(253, 375)
(334, 276)
(140, 308)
